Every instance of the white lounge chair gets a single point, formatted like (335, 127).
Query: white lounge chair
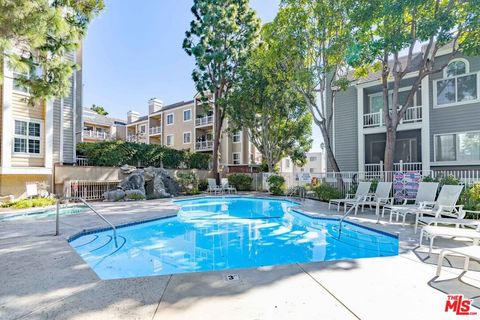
(226, 187)
(361, 193)
(470, 252)
(433, 232)
(213, 187)
(427, 191)
(379, 198)
(457, 221)
(445, 205)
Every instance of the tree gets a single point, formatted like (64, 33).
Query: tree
(36, 35)
(275, 116)
(99, 109)
(311, 38)
(383, 29)
(220, 37)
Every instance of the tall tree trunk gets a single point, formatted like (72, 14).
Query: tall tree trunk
(217, 128)
(390, 143)
(328, 147)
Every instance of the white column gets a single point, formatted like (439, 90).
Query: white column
(425, 124)
(361, 138)
(49, 134)
(7, 117)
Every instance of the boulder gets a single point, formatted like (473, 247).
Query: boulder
(115, 195)
(135, 181)
(126, 169)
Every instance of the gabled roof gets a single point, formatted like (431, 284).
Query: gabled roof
(91, 116)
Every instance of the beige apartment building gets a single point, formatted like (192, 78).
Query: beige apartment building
(35, 138)
(98, 128)
(189, 125)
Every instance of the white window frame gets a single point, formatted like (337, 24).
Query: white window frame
(239, 134)
(467, 73)
(190, 137)
(27, 74)
(28, 137)
(173, 119)
(190, 115)
(144, 126)
(452, 162)
(173, 140)
(390, 93)
(233, 158)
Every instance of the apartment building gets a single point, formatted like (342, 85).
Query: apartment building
(315, 163)
(98, 127)
(35, 138)
(440, 131)
(189, 125)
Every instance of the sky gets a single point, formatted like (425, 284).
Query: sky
(133, 52)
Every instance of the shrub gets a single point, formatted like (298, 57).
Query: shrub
(198, 161)
(471, 198)
(134, 195)
(277, 185)
(326, 192)
(203, 185)
(240, 181)
(31, 203)
(448, 180)
(188, 182)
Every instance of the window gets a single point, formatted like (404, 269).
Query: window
(16, 83)
(236, 158)
(27, 137)
(187, 115)
(170, 140)
(236, 137)
(457, 86)
(312, 170)
(143, 129)
(464, 147)
(313, 159)
(170, 118)
(376, 102)
(287, 163)
(187, 137)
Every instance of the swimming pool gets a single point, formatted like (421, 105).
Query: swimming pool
(43, 213)
(219, 233)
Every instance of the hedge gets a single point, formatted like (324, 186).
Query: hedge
(118, 153)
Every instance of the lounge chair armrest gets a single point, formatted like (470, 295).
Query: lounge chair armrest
(427, 204)
(349, 196)
(385, 200)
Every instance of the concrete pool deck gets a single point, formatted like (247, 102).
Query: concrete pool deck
(43, 278)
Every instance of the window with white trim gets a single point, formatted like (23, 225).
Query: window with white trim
(187, 137)
(462, 147)
(143, 128)
(27, 137)
(236, 137)
(287, 163)
(187, 115)
(170, 118)
(16, 83)
(313, 159)
(458, 85)
(236, 158)
(170, 140)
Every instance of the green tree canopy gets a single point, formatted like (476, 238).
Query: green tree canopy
(383, 30)
(99, 109)
(35, 37)
(220, 37)
(275, 115)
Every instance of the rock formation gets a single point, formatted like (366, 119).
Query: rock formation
(148, 183)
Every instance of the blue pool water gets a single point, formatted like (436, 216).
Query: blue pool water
(218, 233)
(42, 214)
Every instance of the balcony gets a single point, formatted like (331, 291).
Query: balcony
(96, 135)
(400, 166)
(203, 121)
(204, 145)
(136, 137)
(375, 119)
(156, 130)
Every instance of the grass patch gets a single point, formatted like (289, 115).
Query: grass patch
(30, 203)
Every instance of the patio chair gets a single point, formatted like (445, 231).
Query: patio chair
(470, 252)
(226, 187)
(379, 198)
(362, 192)
(432, 232)
(213, 187)
(427, 191)
(445, 205)
(459, 221)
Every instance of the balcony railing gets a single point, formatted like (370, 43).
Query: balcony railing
(203, 121)
(136, 137)
(156, 130)
(204, 145)
(98, 135)
(400, 166)
(375, 119)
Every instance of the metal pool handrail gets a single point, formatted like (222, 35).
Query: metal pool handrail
(57, 221)
(346, 214)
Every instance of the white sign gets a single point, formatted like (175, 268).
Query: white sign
(32, 189)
